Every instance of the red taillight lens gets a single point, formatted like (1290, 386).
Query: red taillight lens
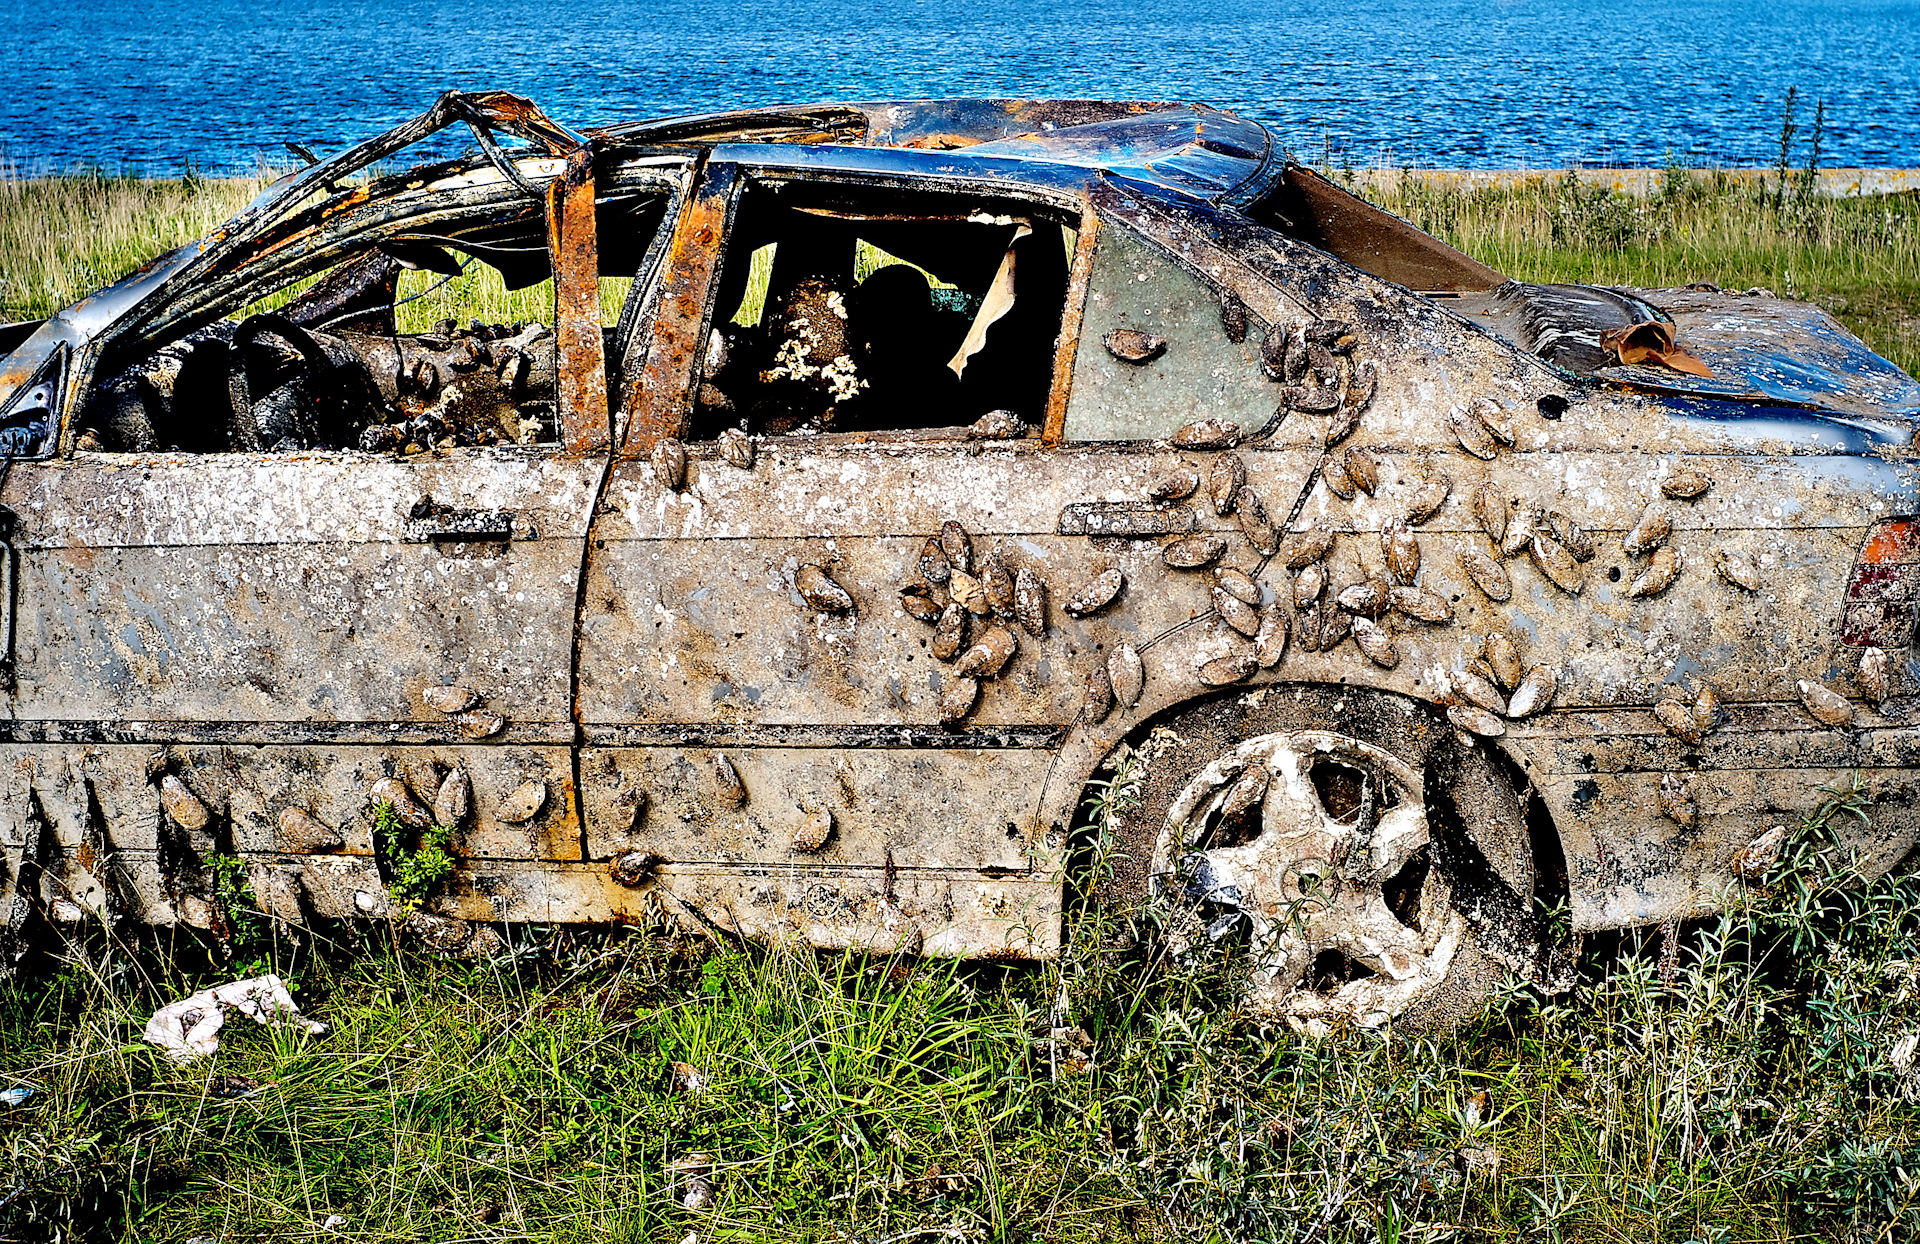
(1885, 588)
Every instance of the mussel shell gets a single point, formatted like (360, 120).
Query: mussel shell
(949, 632)
(1491, 510)
(1030, 602)
(1375, 642)
(737, 448)
(957, 545)
(1420, 604)
(1370, 597)
(1303, 547)
(1098, 701)
(1360, 389)
(1472, 434)
(917, 600)
(989, 654)
(1680, 721)
(670, 464)
(1535, 692)
(1876, 675)
(1273, 351)
(1494, 419)
(1270, 641)
(1227, 476)
(1127, 674)
(1676, 801)
(813, 832)
(1233, 317)
(1503, 659)
(969, 593)
(1519, 534)
(1097, 593)
(1362, 468)
(818, 589)
(1685, 483)
(934, 566)
(1239, 583)
(998, 582)
(1333, 473)
(1662, 569)
(1487, 574)
(1132, 345)
(1227, 670)
(1308, 584)
(1479, 691)
(1401, 549)
(1254, 524)
(1425, 501)
(1237, 613)
(1175, 485)
(1311, 399)
(1207, 434)
(1551, 559)
(1828, 706)
(958, 698)
(1475, 720)
(1649, 533)
(1578, 540)
(1736, 569)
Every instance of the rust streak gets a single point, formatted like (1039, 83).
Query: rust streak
(581, 380)
(1069, 344)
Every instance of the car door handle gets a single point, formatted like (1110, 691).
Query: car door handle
(429, 521)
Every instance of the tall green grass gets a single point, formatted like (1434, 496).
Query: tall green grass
(1765, 1092)
(1858, 257)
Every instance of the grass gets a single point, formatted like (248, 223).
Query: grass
(1765, 1091)
(1857, 257)
(1762, 1094)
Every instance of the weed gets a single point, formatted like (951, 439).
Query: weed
(412, 873)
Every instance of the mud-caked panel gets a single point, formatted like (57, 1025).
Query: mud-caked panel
(236, 589)
(916, 808)
(969, 916)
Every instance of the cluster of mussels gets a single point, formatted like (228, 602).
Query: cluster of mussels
(973, 612)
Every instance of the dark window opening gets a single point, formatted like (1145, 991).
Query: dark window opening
(854, 311)
(433, 331)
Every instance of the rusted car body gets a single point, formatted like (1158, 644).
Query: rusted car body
(1407, 597)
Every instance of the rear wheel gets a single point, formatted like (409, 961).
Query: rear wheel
(1369, 858)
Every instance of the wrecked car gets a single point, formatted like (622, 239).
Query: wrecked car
(943, 460)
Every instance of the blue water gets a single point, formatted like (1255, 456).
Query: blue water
(1463, 83)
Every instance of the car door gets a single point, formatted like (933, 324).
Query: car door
(246, 651)
(785, 761)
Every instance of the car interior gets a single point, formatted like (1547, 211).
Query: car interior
(855, 310)
(329, 368)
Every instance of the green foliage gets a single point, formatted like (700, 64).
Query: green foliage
(416, 871)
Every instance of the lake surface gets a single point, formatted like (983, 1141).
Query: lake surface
(1438, 83)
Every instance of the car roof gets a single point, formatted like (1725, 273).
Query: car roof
(1189, 149)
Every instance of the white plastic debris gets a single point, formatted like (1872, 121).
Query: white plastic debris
(190, 1028)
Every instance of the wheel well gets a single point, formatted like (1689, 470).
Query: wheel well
(1489, 815)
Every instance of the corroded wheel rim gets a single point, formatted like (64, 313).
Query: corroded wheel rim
(1317, 845)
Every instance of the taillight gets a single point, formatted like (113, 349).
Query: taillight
(1885, 588)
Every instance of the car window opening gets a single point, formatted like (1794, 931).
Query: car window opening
(331, 368)
(891, 313)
